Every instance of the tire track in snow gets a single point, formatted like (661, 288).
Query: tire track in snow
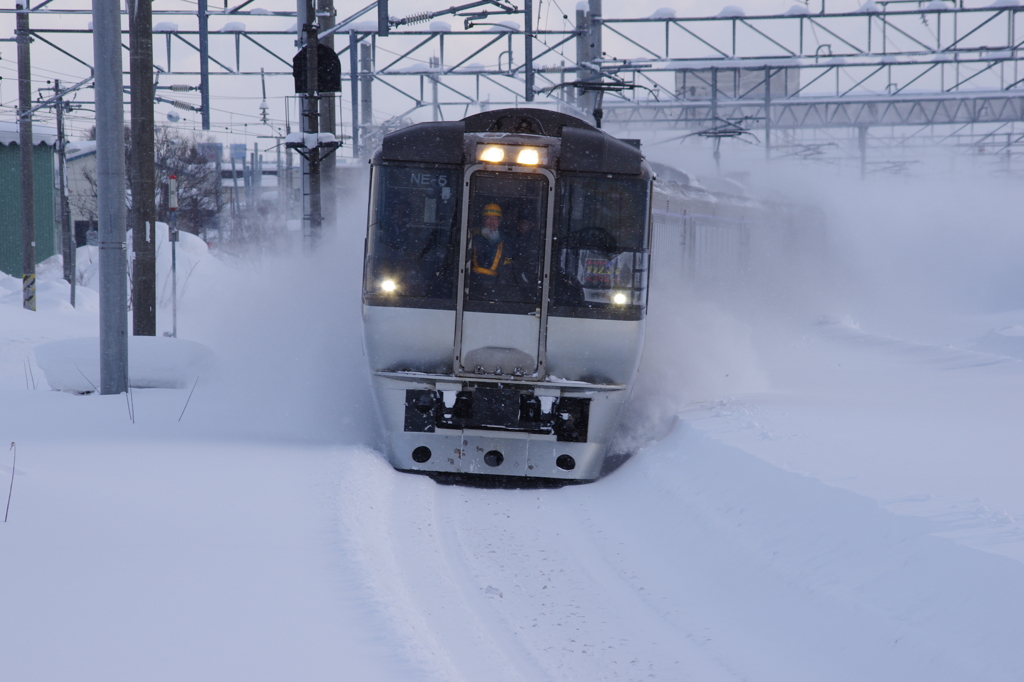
(366, 520)
(477, 596)
(412, 571)
(560, 596)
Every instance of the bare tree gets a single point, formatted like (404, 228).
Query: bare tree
(180, 155)
(198, 180)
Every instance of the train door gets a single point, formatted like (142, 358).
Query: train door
(503, 284)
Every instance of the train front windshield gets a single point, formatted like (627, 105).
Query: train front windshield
(598, 255)
(413, 239)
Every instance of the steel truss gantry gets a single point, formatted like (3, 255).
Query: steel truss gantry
(899, 64)
(889, 64)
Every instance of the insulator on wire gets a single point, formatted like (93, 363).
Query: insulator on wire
(181, 88)
(185, 106)
(417, 18)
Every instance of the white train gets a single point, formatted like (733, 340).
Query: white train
(506, 283)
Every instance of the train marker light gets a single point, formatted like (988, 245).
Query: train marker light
(528, 156)
(492, 154)
(388, 286)
(619, 298)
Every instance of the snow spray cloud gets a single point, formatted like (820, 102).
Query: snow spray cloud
(291, 331)
(910, 253)
(695, 352)
(935, 243)
(904, 255)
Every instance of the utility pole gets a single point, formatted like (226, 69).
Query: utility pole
(143, 168)
(585, 98)
(106, 40)
(768, 113)
(204, 63)
(383, 27)
(28, 215)
(714, 120)
(366, 84)
(596, 55)
(311, 123)
(353, 67)
(289, 199)
(172, 236)
(435, 64)
(528, 51)
(328, 123)
(69, 248)
(281, 192)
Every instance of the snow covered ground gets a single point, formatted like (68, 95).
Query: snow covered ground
(828, 488)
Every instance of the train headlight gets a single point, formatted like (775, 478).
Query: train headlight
(528, 156)
(619, 298)
(388, 286)
(492, 154)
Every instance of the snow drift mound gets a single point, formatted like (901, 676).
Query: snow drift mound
(73, 365)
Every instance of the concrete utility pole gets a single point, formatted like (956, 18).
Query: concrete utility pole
(172, 236)
(589, 50)
(366, 85)
(328, 124)
(596, 54)
(106, 41)
(288, 186)
(528, 48)
(28, 214)
(584, 98)
(383, 27)
(435, 63)
(143, 170)
(204, 62)
(311, 122)
(353, 69)
(768, 113)
(69, 248)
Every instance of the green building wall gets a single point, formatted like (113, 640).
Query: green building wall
(10, 206)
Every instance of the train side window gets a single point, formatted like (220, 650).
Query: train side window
(600, 252)
(412, 241)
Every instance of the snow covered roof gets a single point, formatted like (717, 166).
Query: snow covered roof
(80, 148)
(40, 134)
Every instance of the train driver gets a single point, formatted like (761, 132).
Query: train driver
(489, 257)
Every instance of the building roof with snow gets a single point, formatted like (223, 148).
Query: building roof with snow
(9, 134)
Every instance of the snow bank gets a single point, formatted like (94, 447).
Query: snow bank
(1008, 341)
(52, 292)
(73, 365)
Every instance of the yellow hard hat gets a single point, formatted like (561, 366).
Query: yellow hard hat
(492, 210)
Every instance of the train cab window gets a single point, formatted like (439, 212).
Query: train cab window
(412, 240)
(505, 251)
(599, 258)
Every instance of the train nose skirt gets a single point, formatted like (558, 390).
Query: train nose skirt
(568, 419)
(488, 452)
